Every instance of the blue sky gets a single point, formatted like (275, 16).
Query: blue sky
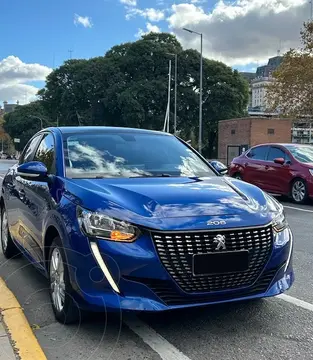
(38, 34)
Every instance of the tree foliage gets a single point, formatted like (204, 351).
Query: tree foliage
(22, 125)
(128, 87)
(291, 92)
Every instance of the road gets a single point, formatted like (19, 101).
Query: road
(278, 328)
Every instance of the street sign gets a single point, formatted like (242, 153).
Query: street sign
(17, 140)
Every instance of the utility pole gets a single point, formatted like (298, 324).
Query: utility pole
(166, 125)
(175, 89)
(201, 86)
(70, 52)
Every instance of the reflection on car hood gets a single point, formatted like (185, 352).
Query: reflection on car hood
(170, 198)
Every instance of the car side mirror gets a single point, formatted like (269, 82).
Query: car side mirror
(33, 170)
(280, 161)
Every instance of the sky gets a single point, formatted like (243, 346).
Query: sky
(39, 35)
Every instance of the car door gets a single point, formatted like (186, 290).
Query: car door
(278, 176)
(15, 202)
(38, 197)
(254, 165)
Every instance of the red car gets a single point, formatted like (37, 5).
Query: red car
(281, 169)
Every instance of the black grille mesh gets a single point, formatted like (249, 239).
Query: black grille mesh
(171, 296)
(176, 249)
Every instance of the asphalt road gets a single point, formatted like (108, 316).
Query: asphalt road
(278, 328)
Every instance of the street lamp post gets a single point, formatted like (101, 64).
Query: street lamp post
(37, 117)
(201, 86)
(175, 100)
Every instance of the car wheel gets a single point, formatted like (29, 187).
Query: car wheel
(238, 176)
(64, 306)
(9, 249)
(299, 192)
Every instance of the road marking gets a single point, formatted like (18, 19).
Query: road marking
(295, 301)
(295, 208)
(161, 346)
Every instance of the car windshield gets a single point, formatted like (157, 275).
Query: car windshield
(303, 154)
(125, 155)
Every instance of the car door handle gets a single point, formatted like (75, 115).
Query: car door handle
(246, 164)
(266, 167)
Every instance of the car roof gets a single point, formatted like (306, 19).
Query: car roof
(281, 144)
(104, 129)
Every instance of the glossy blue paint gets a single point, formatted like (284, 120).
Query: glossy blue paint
(34, 168)
(163, 204)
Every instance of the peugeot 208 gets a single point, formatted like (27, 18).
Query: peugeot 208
(130, 219)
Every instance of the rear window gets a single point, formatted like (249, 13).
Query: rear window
(258, 153)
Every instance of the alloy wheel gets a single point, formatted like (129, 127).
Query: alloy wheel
(298, 191)
(4, 231)
(57, 282)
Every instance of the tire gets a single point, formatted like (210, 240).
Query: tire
(9, 249)
(237, 176)
(64, 306)
(299, 191)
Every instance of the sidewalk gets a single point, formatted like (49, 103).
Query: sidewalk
(6, 349)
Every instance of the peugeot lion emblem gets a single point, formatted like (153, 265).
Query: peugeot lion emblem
(220, 241)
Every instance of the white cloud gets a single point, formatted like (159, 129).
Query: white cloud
(150, 28)
(129, 2)
(14, 76)
(241, 32)
(151, 14)
(85, 21)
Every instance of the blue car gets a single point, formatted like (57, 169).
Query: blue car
(129, 219)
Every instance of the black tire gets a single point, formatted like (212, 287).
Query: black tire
(68, 312)
(237, 176)
(9, 249)
(299, 191)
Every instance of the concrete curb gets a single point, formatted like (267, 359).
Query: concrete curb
(25, 342)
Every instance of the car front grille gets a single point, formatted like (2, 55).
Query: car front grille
(177, 249)
(171, 296)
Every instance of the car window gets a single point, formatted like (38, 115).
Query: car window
(275, 153)
(303, 154)
(125, 155)
(45, 152)
(258, 153)
(28, 152)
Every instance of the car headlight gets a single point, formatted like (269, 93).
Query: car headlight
(98, 225)
(311, 171)
(280, 222)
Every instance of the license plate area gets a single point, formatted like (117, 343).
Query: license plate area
(220, 263)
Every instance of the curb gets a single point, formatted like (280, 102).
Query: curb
(21, 334)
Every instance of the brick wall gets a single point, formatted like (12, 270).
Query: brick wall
(270, 130)
(232, 132)
(251, 131)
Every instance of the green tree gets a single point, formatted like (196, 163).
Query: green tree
(128, 87)
(22, 123)
(292, 89)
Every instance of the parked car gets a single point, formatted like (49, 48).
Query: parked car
(131, 219)
(281, 169)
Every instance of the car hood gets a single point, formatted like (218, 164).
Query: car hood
(154, 202)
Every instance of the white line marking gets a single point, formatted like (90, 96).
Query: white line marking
(161, 346)
(295, 208)
(295, 301)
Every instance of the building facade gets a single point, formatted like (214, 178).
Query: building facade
(258, 93)
(237, 135)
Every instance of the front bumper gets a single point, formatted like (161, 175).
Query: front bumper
(144, 284)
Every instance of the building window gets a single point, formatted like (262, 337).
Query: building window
(270, 131)
(233, 132)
